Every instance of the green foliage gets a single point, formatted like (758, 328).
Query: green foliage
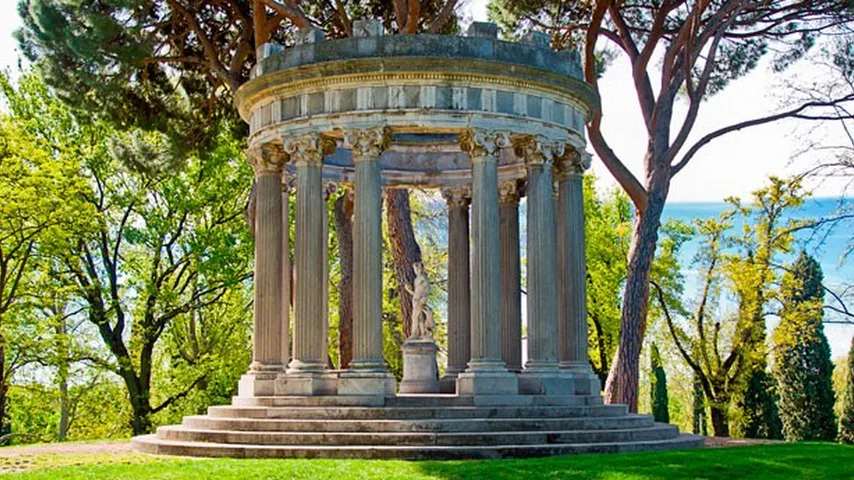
(658, 389)
(802, 356)
(608, 227)
(726, 350)
(846, 417)
(756, 414)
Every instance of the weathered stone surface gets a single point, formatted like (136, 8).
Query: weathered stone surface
(420, 372)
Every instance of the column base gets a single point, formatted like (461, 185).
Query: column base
(448, 382)
(545, 382)
(585, 380)
(487, 378)
(366, 382)
(306, 383)
(257, 384)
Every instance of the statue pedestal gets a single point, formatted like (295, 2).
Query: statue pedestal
(420, 372)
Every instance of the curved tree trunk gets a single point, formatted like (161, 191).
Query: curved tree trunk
(344, 229)
(623, 379)
(404, 249)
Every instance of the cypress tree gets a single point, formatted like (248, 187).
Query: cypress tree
(760, 417)
(846, 421)
(803, 368)
(700, 425)
(658, 389)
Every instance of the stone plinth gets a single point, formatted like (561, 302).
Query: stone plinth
(420, 373)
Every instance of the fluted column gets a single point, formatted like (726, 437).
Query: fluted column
(458, 198)
(541, 374)
(511, 289)
(368, 374)
(267, 162)
(486, 374)
(572, 297)
(307, 152)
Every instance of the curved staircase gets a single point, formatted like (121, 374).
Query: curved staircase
(414, 427)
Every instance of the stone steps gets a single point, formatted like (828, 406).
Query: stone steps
(415, 400)
(413, 413)
(155, 445)
(538, 437)
(413, 427)
(205, 422)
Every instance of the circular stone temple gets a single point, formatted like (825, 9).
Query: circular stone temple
(486, 122)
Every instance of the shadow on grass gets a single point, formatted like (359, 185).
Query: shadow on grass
(804, 460)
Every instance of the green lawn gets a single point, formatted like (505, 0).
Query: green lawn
(807, 461)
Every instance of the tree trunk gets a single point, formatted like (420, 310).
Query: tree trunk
(622, 384)
(720, 423)
(3, 387)
(62, 379)
(344, 229)
(404, 250)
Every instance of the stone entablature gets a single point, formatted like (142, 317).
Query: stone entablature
(425, 91)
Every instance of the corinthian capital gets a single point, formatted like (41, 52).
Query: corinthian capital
(367, 142)
(538, 150)
(457, 195)
(573, 162)
(481, 143)
(510, 191)
(266, 159)
(308, 148)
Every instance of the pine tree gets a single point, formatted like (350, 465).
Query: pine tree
(658, 389)
(700, 424)
(803, 367)
(846, 421)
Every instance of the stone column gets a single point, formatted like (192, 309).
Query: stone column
(541, 375)
(267, 161)
(458, 198)
(511, 289)
(368, 374)
(306, 372)
(486, 374)
(572, 297)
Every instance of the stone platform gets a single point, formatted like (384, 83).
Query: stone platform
(413, 427)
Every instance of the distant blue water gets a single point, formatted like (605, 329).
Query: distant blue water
(827, 248)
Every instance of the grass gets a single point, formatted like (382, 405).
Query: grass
(806, 460)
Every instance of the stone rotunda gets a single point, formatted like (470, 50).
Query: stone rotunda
(486, 122)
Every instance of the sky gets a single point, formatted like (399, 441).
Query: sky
(734, 166)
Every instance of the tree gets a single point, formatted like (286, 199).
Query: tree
(757, 408)
(697, 48)
(40, 191)
(846, 419)
(802, 356)
(723, 348)
(658, 389)
(166, 238)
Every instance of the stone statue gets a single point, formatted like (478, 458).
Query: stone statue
(422, 315)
